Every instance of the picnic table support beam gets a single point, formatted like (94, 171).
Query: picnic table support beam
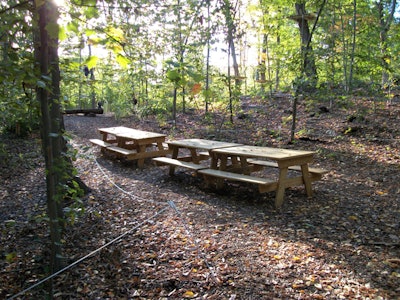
(306, 179)
(175, 151)
(280, 192)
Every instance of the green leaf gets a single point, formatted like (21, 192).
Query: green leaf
(173, 75)
(88, 2)
(122, 61)
(62, 35)
(73, 27)
(92, 12)
(90, 32)
(91, 62)
(116, 33)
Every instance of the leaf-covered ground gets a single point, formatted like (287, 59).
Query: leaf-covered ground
(162, 237)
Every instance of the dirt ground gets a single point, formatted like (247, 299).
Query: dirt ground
(145, 235)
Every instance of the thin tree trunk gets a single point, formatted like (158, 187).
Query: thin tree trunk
(278, 62)
(384, 29)
(230, 39)
(262, 66)
(230, 86)
(207, 96)
(309, 70)
(51, 120)
(309, 67)
(344, 56)
(353, 46)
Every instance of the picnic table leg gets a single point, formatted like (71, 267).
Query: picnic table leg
(141, 149)
(245, 166)
(105, 135)
(214, 160)
(160, 146)
(219, 182)
(306, 179)
(280, 192)
(175, 151)
(214, 165)
(194, 156)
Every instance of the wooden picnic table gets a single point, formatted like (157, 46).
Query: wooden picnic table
(131, 143)
(237, 163)
(193, 147)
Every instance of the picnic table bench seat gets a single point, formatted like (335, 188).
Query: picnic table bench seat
(315, 173)
(178, 163)
(100, 143)
(265, 184)
(129, 154)
(113, 148)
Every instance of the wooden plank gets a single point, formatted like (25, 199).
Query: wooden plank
(178, 163)
(164, 145)
(120, 150)
(147, 154)
(203, 155)
(100, 143)
(295, 168)
(237, 177)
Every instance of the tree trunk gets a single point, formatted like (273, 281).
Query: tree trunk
(207, 96)
(278, 63)
(262, 63)
(48, 93)
(230, 87)
(384, 29)
(353, 46)
(230, 39)
(59, 167)
(344, 51)
(309, 68)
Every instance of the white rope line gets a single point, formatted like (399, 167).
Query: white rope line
(88, 255)
(170, 204)
(130, 194)
(173, 206)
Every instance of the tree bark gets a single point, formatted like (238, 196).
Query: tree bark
(230, 39)
(48, 93)
(385, 24)
(309, 68)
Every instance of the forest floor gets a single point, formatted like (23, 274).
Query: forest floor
(147, 235)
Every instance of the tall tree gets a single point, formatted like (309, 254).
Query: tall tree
(386, 10)
(46, 53)
(302, 18)
(308, 69)
(230, 12)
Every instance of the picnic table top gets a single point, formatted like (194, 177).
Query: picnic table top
(264, 152)
(201, 144)
(130, 133)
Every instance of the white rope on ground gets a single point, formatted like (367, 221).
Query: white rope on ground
(170, 204)
(121, 189)
(88, 255)
(173, 206)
